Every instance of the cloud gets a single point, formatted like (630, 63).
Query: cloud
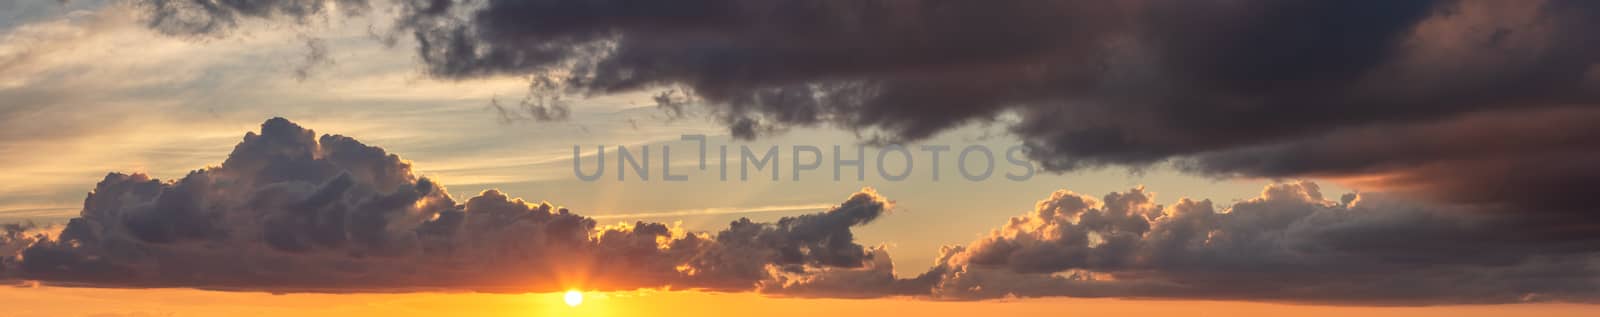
(1288, 244)
(1481, 108)
(716, 211)
(1530, 162)
(191, 18)
(316, 57)
(290, 211)
(1269, 89)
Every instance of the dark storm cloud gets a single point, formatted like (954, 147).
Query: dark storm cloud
(1223, 88)
(767, 62)
(1538, 162)
(290, 211)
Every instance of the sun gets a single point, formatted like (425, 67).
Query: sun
(573, 298)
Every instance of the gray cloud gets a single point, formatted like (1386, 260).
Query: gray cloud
(19, 12)
(1289, 244)
(290, 211)
(203, 17)
(1242, 88)
(1483, 108)
(316, 58)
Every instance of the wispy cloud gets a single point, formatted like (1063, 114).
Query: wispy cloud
(714, 211)
(36, 212)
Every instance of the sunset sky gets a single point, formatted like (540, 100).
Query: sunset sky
(411, 157)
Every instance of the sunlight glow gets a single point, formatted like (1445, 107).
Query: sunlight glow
(573, 298)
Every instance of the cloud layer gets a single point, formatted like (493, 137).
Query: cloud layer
(1274, 89)
(1479, 113)
(289, 211)
(1288, 244)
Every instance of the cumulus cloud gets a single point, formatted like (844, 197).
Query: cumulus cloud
(291, 211)
(1288, 244)
(1240, 88)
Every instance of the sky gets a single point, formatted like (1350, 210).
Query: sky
(365, 157)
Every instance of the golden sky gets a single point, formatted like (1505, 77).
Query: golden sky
(57, 301)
